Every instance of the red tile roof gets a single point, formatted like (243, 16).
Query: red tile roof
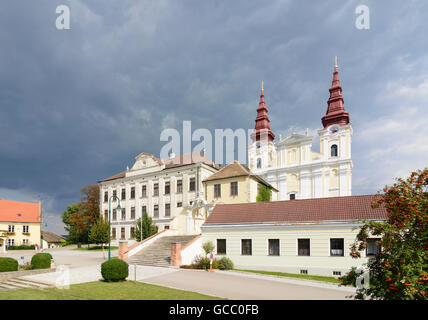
(116, 176)
(15, 211)
(309, 210)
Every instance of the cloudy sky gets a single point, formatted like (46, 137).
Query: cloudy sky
(78, 105)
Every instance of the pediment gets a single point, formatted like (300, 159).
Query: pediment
(145, 160)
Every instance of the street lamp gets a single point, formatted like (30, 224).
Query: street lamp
(109, 218)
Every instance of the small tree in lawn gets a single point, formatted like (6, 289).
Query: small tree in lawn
(99, 232)
(208, 247)
(264, 193)
(147, 229)
(400, 270)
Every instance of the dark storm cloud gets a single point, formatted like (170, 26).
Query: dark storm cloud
(77, 105)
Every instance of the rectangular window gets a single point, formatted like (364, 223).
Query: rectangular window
(372, 247)
(113, 233)
(292, 196)
(123, 213)
(11, 228)
(105, 215)
(25, 229)
(25, 241)
(123, 197)
(217, 190)
(167, 210)
(114, 214)
(114, 195)
(132, 213)
(246, 247)
(122, 233)
(132, 233)
(143, 209)
(179, 204)
(304, 248)
(337, 247)
(167, 188)
(105, 196)
(274, 247)
(156, 189)
(179, 186)
(234, 188)
(10, 242)
(156, 211)
(221, 246)
(144, 191)
(192, 184)
(132, 192)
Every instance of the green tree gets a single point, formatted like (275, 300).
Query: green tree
(74, 234)
(146, 227)
(264, 193)
(400, 270)
(208, 247)
(99, 232)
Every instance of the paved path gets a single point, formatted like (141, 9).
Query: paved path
(93, 273)
(240, 286)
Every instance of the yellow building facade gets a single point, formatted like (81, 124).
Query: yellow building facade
(20, 224)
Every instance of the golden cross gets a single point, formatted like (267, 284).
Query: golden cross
(262, 85)
(335, 64)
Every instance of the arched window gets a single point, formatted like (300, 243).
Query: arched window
(334, 150)
(259, 163)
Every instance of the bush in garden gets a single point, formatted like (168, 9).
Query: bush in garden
(41, 261)
(114, 270)
(21, 247)
(225, 264)
(8, 264)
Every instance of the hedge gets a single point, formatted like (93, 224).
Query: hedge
(225, 264)
(8, 264)
(21, 247)
(41, 261)
(114, 270)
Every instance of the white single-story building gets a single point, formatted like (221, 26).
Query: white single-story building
(311, 236)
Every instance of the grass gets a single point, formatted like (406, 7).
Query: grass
(99, 290)
(96, 248)
(294, 275)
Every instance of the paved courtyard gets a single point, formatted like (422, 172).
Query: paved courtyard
(84, 266)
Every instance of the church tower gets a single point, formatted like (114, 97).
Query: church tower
(335, 141)
(262, 151)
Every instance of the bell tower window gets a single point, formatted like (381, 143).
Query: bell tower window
(259, 163)
(333, 150)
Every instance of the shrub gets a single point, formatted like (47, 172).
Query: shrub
(114, 270)
(8, 264)
(21, 247)
(225, 264)
(41, 261)
(201, 262)
(208, 247)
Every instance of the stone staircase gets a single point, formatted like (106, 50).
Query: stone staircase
(21, 283)
(159, 252)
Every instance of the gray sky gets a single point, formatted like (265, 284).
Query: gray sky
(78, 105)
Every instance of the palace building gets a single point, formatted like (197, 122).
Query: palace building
(292, 166)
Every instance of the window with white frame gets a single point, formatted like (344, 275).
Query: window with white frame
(25, 229)
(273, 247)
(337, 247)
(10, 242)
(11, 228)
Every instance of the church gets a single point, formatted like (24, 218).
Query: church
(290, 164)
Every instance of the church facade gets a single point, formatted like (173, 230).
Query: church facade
(292, 166)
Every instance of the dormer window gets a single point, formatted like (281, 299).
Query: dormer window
(333, 150)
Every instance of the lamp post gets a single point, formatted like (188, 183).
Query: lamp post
(88, 222)
(109, 218)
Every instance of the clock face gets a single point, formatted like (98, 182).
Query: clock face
(334, 129)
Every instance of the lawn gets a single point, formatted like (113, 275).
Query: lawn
(95, 248)
(99, 290)
(293, 275)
